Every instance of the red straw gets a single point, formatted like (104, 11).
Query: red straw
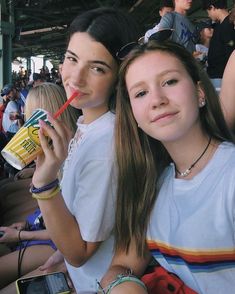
(65, 105)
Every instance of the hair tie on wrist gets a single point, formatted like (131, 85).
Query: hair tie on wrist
(19, 238)
(46, 196)
(51, 185)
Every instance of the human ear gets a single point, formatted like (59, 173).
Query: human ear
(200, 95)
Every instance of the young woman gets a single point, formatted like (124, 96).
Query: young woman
(204, 32)
(80, 217)
(176, 183)
(29, 240)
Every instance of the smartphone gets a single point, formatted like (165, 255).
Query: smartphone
(52, 283)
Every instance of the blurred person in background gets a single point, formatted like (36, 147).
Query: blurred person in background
(12, 117)
(222, 42)
(165, 6)
(204, 31)
(182, 28)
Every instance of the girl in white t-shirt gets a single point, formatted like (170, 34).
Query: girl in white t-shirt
(176, 185)
(80, 217)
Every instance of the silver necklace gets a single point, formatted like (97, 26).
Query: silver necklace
(188, 170)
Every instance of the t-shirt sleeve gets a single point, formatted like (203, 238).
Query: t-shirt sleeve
(166, 22)
(150, 32)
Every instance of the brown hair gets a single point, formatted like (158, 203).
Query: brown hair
(142, 159)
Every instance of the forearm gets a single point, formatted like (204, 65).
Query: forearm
(227, 92)
(34, 235)
(64, 230)
(228, 107)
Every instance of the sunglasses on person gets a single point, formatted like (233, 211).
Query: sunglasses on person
(159, 36)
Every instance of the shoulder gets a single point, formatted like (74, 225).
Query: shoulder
(226, 159)
(227, 29)
(171, 15)
(11, 105)
(167, 20)
(226, 23)
(24, 92)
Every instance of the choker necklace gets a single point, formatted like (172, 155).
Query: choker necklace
(188, 170)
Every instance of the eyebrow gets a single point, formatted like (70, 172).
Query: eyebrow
(91, 61)
(160, 75)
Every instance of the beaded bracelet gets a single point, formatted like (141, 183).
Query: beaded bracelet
(46, 196)
(119, 280)
(44, 188)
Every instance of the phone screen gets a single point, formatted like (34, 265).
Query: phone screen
(45, 284)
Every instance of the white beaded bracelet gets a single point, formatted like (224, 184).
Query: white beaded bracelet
(121, 278)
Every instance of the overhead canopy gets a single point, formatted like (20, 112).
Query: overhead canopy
(40, 26)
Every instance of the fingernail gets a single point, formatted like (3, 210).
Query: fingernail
(41, 123)
(49, 116)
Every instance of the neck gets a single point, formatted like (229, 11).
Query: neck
(188, 151)
(91, 114)
(222, 15)
(180, 11)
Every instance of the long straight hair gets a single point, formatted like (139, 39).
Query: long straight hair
(142, 159)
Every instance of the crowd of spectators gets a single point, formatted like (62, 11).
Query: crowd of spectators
(25, 79)
(13, 96)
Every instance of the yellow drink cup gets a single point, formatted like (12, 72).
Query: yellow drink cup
(24, 147)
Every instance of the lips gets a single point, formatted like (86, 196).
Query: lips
(163, 115)
(73, 89)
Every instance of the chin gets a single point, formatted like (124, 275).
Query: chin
(75, 104)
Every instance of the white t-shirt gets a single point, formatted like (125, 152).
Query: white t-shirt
(89, 191)
(192, 231)
(150, 32)
(204, 51)
(10, 125)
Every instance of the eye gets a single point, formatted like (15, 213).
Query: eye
(70, 58)
(98, 69)
(140, 94)
(170, 82)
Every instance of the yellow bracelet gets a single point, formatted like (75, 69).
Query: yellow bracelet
(46, 195)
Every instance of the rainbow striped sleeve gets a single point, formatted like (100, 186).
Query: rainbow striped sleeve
(200, 260)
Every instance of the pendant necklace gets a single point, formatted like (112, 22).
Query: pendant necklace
(188, 170)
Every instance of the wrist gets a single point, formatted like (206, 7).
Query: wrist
(41, 189)
(120, 279)
(48, 194)
(20, 235)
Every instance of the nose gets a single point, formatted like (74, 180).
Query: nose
(158, 98)
(79, 75)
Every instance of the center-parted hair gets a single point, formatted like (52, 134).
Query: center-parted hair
(112, 27)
